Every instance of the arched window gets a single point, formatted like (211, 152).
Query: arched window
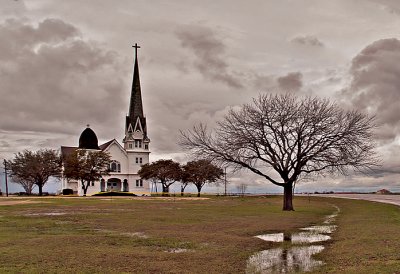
(115, 166)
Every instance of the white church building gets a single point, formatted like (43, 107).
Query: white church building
(126, 159)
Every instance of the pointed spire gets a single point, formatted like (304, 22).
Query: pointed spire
(136, 106)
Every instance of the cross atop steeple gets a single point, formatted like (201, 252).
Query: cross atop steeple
(136, 47)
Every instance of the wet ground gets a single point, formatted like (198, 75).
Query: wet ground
(295, 253)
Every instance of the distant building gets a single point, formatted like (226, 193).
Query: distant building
(383, 191)
(126, 159)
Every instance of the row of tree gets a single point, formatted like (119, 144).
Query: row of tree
(34, 168)
(167, 172)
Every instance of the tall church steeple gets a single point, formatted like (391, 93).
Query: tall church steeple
(136, 128)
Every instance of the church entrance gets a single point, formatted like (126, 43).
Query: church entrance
(113, 184)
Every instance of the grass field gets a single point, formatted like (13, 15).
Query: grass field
(367, 239)
(103, 235)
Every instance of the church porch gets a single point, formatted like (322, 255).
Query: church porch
(114, 184)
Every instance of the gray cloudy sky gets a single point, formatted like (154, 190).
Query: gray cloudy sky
(65, 64)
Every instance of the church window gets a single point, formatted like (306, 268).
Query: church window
(130, 145)
(139, 160)
(115, 166)
(138, 143)
(146, 146)
(139, 183)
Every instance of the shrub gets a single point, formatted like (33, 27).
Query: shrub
(67, 191)
(114, 193)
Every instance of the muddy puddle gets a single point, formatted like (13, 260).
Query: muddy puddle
(296, 254)
(45, 214)
(281, 260)
(177, 250)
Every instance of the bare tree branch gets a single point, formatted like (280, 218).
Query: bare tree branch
(291, 135)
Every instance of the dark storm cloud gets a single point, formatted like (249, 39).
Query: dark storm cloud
(52, 80)
(19, 37)
(375, 86)
(291, 82)
(210, 53)
(308, 40)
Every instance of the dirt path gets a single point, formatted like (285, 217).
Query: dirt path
(18, 202)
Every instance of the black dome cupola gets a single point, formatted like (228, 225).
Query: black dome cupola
(88, 139)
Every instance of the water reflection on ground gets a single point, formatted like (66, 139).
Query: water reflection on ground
(296, 256)
(308, 237)
(274, 237)
(311, 236)
(280, 260)
(320, 228)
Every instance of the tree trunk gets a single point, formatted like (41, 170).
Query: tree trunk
(182, 190)
(85, 188)
(165, 190)
(40, 186)
(198, 190)
(288, 197)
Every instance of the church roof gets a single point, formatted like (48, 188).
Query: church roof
(88, 139)
(105, 145)
(66, 151)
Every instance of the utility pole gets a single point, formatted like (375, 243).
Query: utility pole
(225, 181)
(5, 174)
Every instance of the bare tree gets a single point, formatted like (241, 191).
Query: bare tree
(290, 136)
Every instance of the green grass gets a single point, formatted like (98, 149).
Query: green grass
(367, 239)
(104, 235)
